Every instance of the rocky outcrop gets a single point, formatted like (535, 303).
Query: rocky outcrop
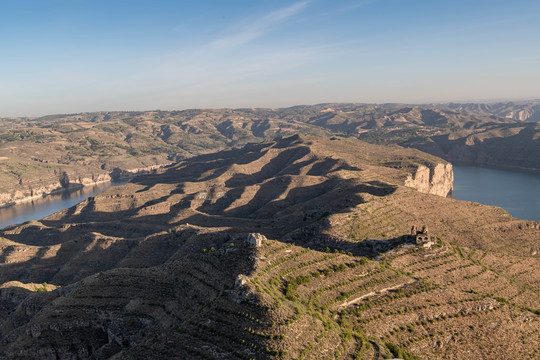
(438, 180)
(255, 239)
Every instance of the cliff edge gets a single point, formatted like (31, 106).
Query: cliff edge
(437, 181)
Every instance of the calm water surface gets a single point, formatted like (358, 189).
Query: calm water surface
(516, 191)
(40, 208)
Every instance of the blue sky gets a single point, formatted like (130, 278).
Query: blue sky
(65, 56)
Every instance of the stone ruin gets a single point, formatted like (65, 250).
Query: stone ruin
(255, 239)
(420, 236)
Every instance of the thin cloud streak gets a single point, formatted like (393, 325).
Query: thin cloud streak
(196, 67)
(356, 5)
(256, 28)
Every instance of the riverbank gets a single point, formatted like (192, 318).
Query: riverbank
(45, 206)
(532, 170)
(29, 195)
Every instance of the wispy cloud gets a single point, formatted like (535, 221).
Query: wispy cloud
(356, 5)
(256, 28)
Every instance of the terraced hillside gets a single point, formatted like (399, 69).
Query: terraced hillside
(159, 268)
(427, 302)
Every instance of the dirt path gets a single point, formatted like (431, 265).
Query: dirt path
(382, 291)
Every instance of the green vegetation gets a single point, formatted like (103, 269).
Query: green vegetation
(43, 288)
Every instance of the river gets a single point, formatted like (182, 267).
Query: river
(40, 208)
(517, 191)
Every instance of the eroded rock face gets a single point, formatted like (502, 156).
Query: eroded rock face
(436, 181)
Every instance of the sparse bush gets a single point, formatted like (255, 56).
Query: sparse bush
(44, 288)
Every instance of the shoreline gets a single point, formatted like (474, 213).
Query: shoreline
(78, 186)
(58, 189)
(497, 167)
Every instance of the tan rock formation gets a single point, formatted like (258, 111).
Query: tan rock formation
(436, 181)
(255, 239)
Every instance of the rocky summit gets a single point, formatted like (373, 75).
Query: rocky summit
(296, 248)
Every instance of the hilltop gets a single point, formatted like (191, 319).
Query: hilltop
(159, 268)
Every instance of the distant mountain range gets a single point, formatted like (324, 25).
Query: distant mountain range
(525, 111)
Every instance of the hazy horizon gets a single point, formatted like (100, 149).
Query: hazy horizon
(480, 101)
(71, 57)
